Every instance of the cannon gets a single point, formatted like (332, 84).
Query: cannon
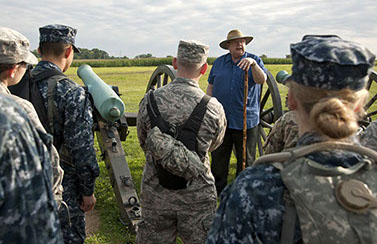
(110, 126)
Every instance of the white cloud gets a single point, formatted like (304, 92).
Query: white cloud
(134, 27)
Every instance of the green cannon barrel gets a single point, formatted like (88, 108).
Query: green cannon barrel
(106, 101)
(282, 76)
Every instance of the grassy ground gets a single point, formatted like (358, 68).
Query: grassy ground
(132, 82)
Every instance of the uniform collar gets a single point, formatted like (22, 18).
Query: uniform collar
(4, 88)
(43, 65)
(186, 81)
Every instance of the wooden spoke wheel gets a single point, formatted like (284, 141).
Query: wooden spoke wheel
(271, 110)
(161, 76)
(370, 107)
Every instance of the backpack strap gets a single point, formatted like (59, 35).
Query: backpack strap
(155, 116)
(289, 220)
(322, 146)
(47, 117)
(187, 133)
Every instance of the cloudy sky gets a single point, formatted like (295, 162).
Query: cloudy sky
(133, 27)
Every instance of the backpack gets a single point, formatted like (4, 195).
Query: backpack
(333, 204)
(186, 133)
(28, 89)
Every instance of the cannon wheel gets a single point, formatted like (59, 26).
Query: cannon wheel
(156, 81)
(368, 107)
(268, 114)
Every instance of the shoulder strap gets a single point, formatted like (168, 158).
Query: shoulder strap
(322, 146)
(194, 121)
(187, 133)
(51, 109)
(47, 117)
(155, 116)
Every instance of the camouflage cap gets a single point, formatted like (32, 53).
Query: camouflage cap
(192, 52)
(331, 63)
(58, 34)
(14, 48)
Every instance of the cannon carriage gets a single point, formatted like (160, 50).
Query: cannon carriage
(111, 133)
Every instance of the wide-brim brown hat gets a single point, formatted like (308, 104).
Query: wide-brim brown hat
(232, 35)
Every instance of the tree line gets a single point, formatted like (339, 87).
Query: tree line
(96, 53)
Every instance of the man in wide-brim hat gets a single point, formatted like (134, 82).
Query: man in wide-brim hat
(226, 83)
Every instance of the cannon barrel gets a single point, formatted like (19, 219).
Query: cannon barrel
(106, 101)
(282, 76)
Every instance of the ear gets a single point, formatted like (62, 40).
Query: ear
(175, 63)
(68, 52)
(12, 72)
(203, 69)
(292, 102)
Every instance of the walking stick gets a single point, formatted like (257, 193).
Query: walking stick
(244, 119)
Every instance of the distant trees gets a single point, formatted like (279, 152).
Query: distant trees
(263, 56)
(144, 56)
(95, 53)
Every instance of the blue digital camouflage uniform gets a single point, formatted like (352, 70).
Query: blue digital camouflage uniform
(252, 207)
(74, 125)
(28, 212)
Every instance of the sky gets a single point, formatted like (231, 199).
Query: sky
(133, 27)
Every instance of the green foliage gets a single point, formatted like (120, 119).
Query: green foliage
(124, 62)
(144, 56)
(95, 53)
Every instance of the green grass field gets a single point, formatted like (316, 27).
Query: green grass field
(132, 83)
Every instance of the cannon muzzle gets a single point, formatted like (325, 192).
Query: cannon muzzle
(106, 101)
(282, 76)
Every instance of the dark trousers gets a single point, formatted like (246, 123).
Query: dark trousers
(221, 156)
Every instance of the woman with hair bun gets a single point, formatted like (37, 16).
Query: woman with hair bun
(321, 191)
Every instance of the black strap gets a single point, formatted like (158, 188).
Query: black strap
(289, 220)
(187, 135)
(188, 132)
(53, 76)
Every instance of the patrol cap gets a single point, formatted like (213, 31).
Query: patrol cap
(329, 62)
(14, 48)
(58, 34)
(192, 52)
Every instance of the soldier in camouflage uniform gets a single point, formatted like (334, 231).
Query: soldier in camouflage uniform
(369, 137)
(72, 126)
(28, 212)
(326, 87)
(186, 212)
(283, 135)
(15, 56)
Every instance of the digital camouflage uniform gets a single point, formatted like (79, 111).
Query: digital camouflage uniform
(74, 127)
(369, 137)
(186, 212)
(57, 172)
(15, 48)
(283, 135)
(252, 207)
(28, 212)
